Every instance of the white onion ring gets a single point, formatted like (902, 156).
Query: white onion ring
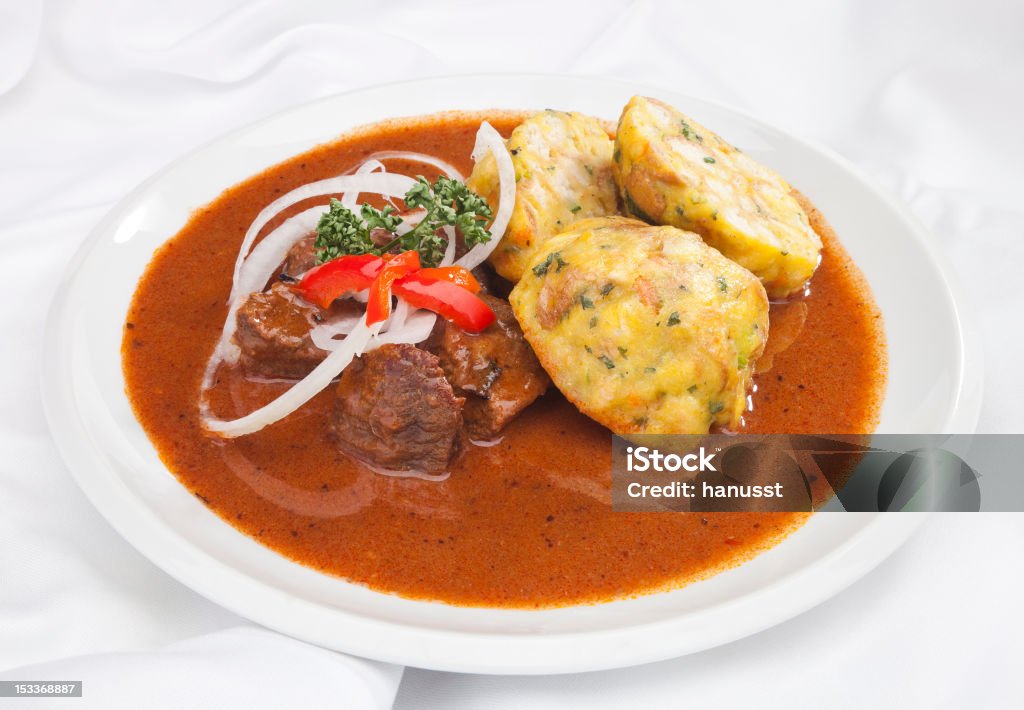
(416, 328)
(449, 250)
(323, 334)
(446, 168)
(406, 325)
(489, 140)
(350, 198)
(397, 319)
(268, 255)
(410, 220)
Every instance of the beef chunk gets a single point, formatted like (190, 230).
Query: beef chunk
(490, 282)
(496, 370)
(273, 334)
(396, 410)
(301, 257)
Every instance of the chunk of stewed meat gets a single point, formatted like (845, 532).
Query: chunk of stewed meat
(301, 257)
(396, 410)
(273, 334)
(490, 282)
(496, 370)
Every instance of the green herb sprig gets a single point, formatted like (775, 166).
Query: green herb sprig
(447, 203)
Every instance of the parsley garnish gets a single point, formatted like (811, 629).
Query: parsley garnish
(341, 232)
(447, 203)
(673, 319)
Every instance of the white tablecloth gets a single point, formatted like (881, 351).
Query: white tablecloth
(95, 96)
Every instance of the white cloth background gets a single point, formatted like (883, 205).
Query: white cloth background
(926, 97)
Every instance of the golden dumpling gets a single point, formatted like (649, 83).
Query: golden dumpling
(672, 170)
(646, 329)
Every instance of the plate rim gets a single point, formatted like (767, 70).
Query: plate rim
(887, 533)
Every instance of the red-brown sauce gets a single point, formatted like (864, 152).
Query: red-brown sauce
(524, 523)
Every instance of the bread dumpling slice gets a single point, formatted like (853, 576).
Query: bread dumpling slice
(646, 329)
(672, 170)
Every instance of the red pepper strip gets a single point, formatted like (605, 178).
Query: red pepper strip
(322, 284)
(446, 299)
(378, 308)
(455, 274)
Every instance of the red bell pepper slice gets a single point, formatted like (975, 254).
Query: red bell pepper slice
(458, 275)
(447, 290)
(445, 298)
(378, 308)
(322, 284)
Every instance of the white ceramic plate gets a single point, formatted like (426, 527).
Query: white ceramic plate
(934, 386)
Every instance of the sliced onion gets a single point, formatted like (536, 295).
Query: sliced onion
(267, 256)
(406, 325)
(350, 198)
(489, 140)
(410, 220)
(323, 334)
(449, 250)
(397, 319)
(446, 168)
(416, 328)
(303, 390)
(387, 184)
